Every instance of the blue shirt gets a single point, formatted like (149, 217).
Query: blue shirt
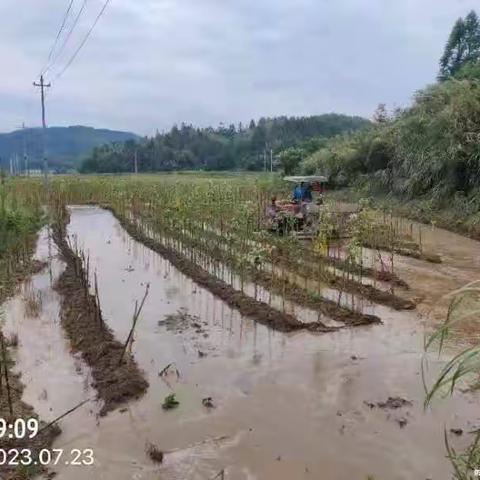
(298, 193)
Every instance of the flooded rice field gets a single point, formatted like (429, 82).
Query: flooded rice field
(254, 403)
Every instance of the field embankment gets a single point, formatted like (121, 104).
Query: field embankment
(117, 377)
(457, 215)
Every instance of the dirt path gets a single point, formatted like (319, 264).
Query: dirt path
(431, 282)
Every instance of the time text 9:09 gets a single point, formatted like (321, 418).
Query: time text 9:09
(19, 429)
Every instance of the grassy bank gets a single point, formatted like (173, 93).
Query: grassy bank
(459, 214)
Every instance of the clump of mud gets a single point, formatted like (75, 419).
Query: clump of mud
(392, 403)
(116, 381)
(180, 321)
(154, 453)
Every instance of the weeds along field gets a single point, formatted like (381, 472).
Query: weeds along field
(213, 229)
(21, 217)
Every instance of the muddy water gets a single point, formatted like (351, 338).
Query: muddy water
(287, 406)
(430, 283)
(54, 379)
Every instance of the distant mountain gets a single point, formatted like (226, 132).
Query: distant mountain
(66, 147)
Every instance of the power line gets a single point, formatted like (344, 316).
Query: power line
(67, 37)
(62, 26)
(82, 43)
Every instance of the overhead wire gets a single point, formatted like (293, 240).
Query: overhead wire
(67, 37)
(84, 41)
(60, 30)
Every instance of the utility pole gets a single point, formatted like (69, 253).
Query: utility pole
(42, 86)
(271, 160)
(25, 156)
(136, 162)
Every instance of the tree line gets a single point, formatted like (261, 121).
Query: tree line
(249, 147)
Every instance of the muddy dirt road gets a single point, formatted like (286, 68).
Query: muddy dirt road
(286, 406)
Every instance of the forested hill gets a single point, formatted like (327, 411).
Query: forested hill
(222, 148)
(66, 147)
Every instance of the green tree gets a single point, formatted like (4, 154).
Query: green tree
(290, 159)
(221, 148)
(463, 46)
(472, 36)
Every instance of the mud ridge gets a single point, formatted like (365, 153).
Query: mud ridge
(304, 297)
(23, 269)
(360, 270)
(308, 299)
(407, 250)
(116, 382)
(374, 294)
(369, 292)
(248, 306)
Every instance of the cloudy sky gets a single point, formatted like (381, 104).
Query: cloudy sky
(152, 63)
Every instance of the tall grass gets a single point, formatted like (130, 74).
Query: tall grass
(461, 370)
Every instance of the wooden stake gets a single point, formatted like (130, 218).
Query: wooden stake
(5, 370)
(134, 322)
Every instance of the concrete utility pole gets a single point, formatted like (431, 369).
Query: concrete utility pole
(42, 86)
(271, 160)
(136, 162)
(25, 156)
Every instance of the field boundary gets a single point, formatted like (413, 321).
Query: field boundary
(116, 381)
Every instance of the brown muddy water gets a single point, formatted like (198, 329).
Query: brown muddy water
(287, 406)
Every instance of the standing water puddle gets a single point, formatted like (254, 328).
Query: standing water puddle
(287, 406)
